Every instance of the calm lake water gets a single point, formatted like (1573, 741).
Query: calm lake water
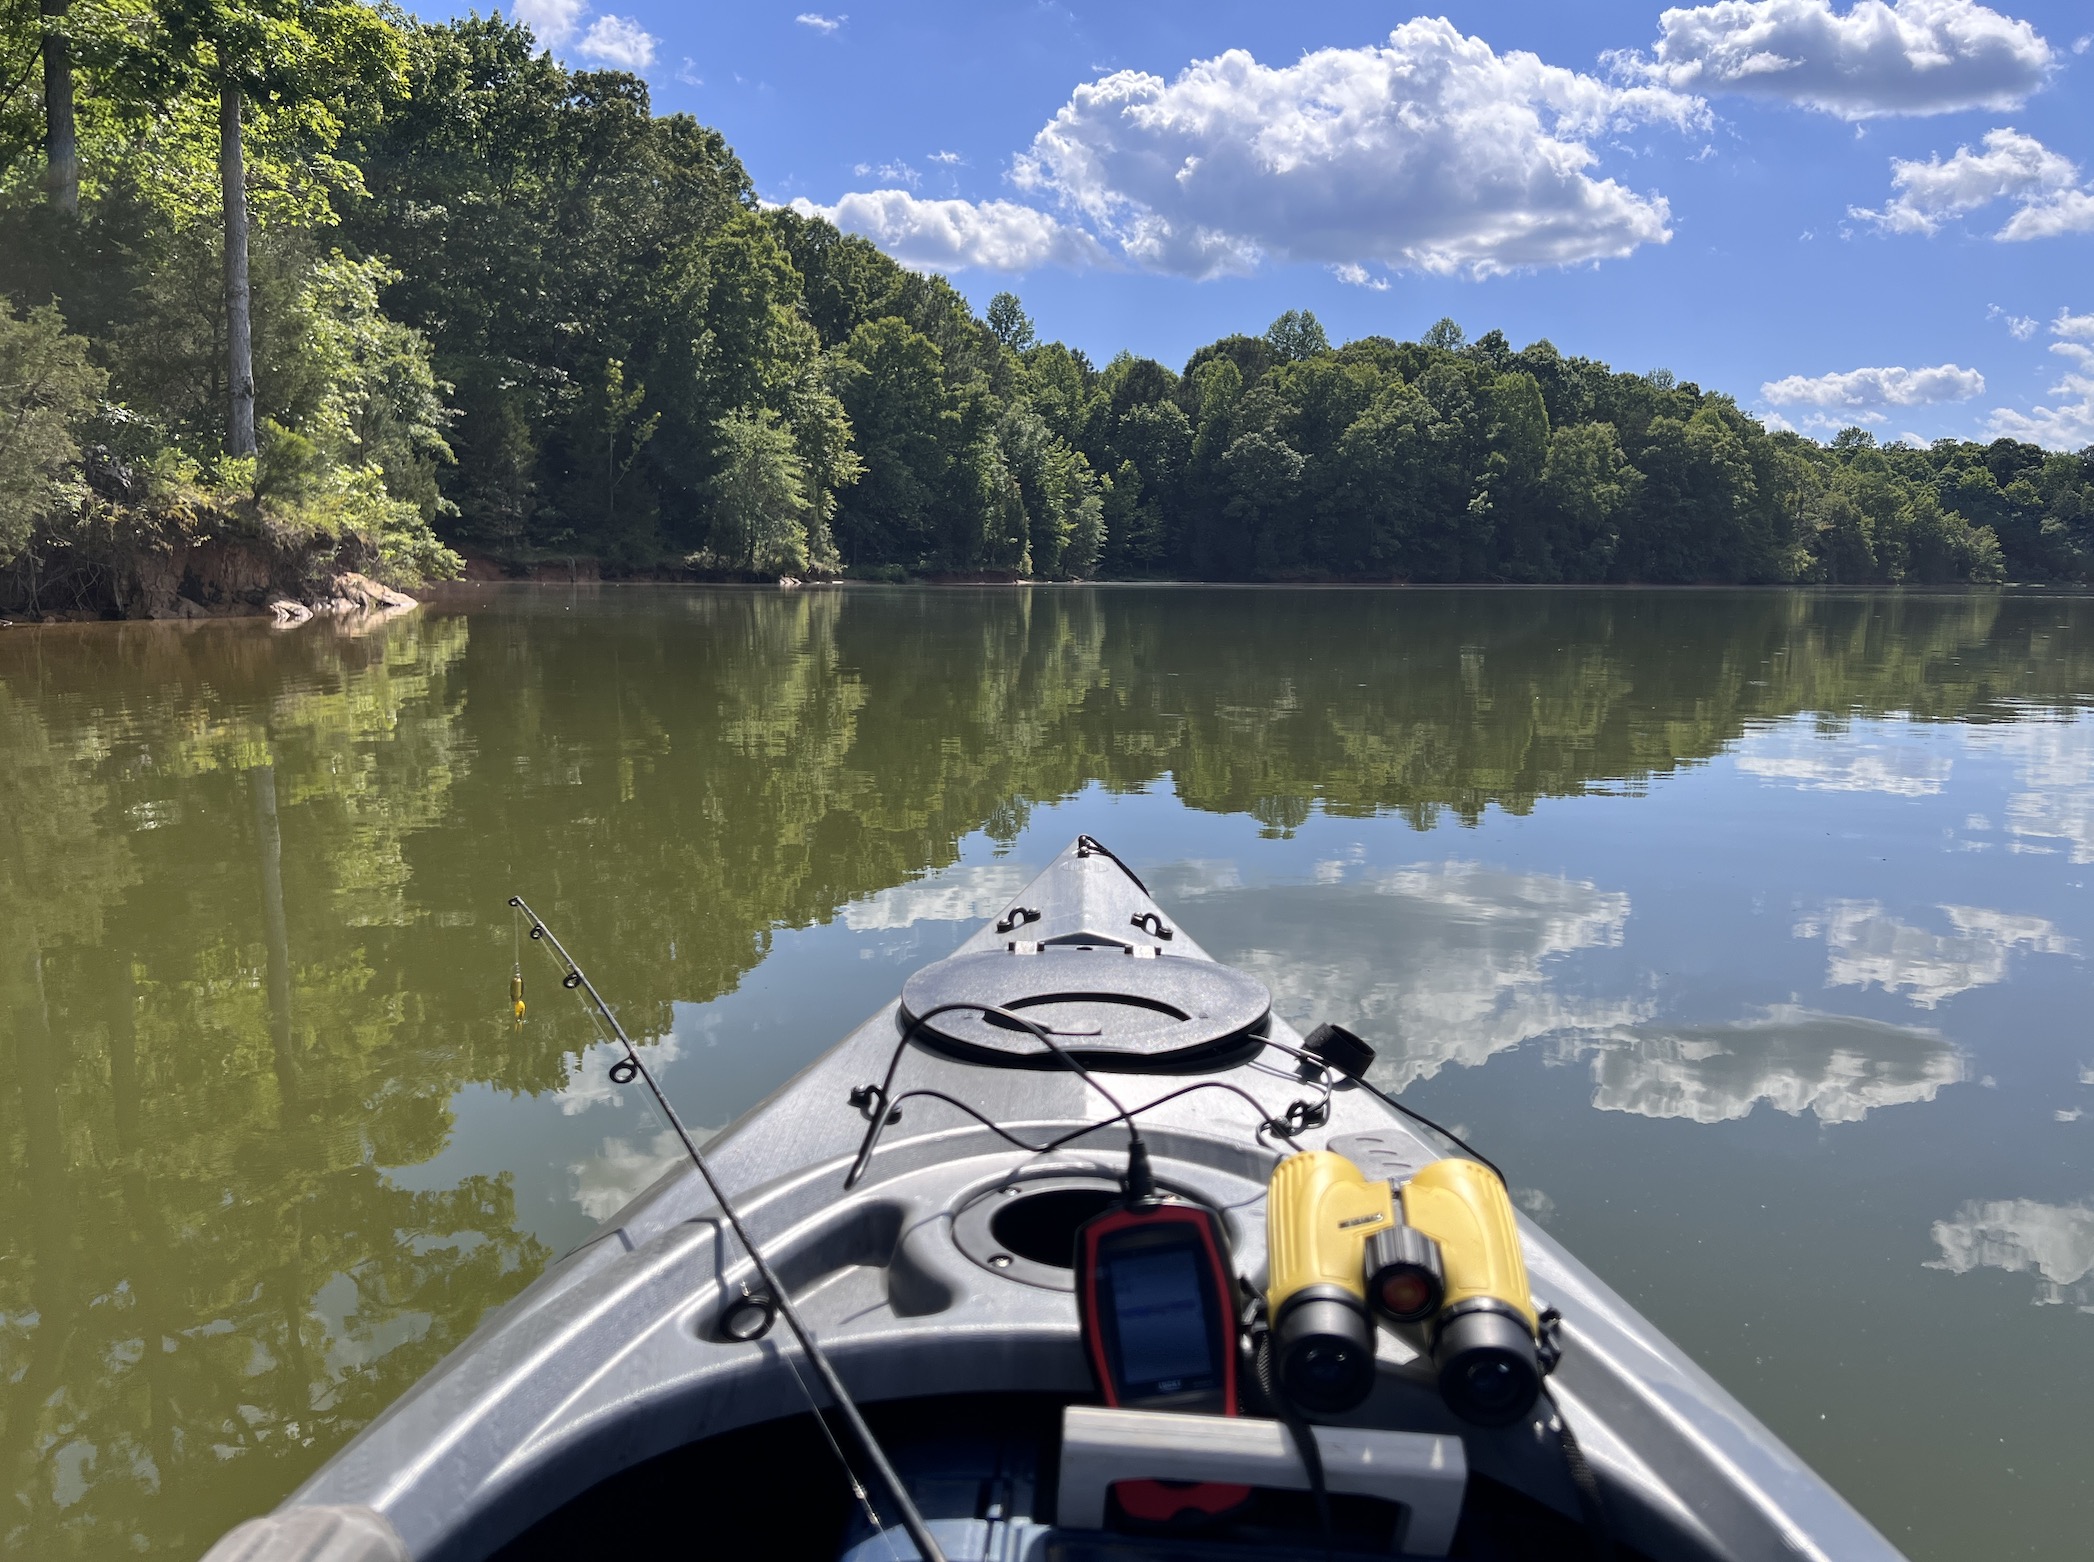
(1748, 931)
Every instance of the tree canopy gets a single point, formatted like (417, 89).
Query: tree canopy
(503, 307)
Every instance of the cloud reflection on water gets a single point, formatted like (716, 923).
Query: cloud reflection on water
(1441, 963)
(958, 895)
(1865, 948)
(2053, 1241)
(1837, 1067)
(2055, 762)
(608, 1181)
(1815, 762)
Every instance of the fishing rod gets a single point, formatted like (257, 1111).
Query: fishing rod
(633, 1064)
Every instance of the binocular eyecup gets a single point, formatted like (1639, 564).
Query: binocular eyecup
(1489, 1372)
(1323, 1350)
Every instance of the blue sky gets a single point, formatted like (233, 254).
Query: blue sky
(1839, 213)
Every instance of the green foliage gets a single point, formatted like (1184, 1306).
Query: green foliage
(1297, 335)
(760, 503)
(1009, 323)
(47, 389)
(508, 304)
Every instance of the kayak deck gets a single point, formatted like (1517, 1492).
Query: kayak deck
(609, 1397)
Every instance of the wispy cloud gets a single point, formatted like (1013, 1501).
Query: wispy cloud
(893, 173)
(2070, 424)
(2020, 327)
(817, 22)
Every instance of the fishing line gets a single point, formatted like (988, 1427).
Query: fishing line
(632, 1066)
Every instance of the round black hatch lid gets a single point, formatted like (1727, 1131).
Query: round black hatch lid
(1109, 1008)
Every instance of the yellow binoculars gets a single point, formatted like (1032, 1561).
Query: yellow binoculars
(1443, 1254)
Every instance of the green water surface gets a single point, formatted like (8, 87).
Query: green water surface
(1748, 931)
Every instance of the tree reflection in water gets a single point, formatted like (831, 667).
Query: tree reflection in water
(252, 889)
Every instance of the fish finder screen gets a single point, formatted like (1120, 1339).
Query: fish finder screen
(1161, 1319)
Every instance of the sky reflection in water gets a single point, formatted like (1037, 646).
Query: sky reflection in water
(1747, 930)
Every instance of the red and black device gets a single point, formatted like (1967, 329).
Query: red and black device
(1156, 1295)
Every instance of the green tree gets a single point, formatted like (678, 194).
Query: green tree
(1297, 336)
(295, 54)
(890, 380)
(1008, 322)
(48, 387)
(760, 502)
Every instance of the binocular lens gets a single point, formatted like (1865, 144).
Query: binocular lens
(1407, 1294)
(1326, 1355)
(1488, 1371)
(1405, 1276)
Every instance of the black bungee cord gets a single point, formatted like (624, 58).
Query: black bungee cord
(881, 1105)
(879, 1102)
(633, 1065)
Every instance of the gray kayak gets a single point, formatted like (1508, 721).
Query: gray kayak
(609, 1407)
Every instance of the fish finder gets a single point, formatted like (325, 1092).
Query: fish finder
(1155, 1297)
(1155, 1293)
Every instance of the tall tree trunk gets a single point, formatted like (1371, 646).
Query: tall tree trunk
(61, 143)
(239, 328)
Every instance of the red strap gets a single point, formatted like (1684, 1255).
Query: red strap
(1160, 1502)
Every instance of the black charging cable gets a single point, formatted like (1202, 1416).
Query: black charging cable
(1257, 1343)
(1599, 1534)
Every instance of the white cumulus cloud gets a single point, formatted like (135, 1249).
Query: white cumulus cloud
(1887, 387)
(895, 173)
(610, 40)
(956, 235)
(820, 23)
(2044, 185)
(552, 22)
(1429, 152)
(2070, 424)
(1908, 57)
(619, 41)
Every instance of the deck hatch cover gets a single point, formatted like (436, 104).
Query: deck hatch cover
(1110, 1010)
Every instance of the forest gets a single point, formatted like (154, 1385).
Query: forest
(313, 279)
